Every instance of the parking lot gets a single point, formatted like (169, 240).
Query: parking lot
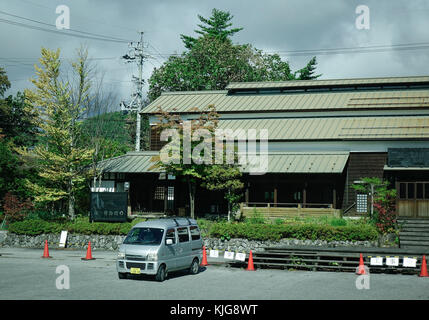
(25, 275)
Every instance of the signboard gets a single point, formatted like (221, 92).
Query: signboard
(240, 256)
(63, 239)
(109, 206)
(214, 254)
(409, 262)
(376, 261)
(229, 255)
(408, 157)
(392, 261)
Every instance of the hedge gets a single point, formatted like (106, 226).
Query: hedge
(80, 226)
(359, 232)
(251, 231)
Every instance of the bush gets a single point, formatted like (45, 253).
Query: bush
(46, 215)
(223, 230)
(256, 218)
(295, 231)
(14, 208)
(79, 226)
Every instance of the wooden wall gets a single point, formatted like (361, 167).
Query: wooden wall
(368, 164)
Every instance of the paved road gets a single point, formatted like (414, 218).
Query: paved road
(24, 275)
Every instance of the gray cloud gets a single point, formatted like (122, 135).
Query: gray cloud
(274, 26)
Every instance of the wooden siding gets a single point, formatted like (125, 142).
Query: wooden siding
(155, 143)
(362, 165)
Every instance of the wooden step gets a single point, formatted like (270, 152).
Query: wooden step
(417, 243)
(413, 233)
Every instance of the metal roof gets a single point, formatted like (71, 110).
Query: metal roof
(341, 128)
(132, 162)
(306, 162)
(183, 102)
(278, 162)
(333, 82)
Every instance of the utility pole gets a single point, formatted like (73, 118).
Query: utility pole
(136, 55)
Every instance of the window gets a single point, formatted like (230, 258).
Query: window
(195, 233)
(419, 190)
(144, 236)
(410, 193)
(361, 202)
(171, 234)
(402, 191)
(414, 190)
(183, 234)
(159, 193)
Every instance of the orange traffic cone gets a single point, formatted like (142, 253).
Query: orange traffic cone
(250, 266)
(204, 262)
(424, 270)
(361, 268)
(46, 251)
(88, 253)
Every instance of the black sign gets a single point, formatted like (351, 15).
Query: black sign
(109, 206)
(408, 157)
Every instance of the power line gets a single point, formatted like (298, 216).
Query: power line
(92, 20)
(72, 30)
(59, 32)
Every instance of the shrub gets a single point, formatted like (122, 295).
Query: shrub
(256, 218)
(296, 231)
(14, 208)
(336, 222)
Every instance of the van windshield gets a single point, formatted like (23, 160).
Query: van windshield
(144, 236)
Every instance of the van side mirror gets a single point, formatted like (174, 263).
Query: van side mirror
(168, 241)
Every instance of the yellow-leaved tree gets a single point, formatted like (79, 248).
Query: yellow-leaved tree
(60, 105)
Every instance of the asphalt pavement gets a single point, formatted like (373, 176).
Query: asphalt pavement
(25, 275)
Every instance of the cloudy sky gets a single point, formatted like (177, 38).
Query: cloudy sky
(396, 43)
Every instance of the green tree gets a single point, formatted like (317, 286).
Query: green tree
(192, 172)
(59, 105)
(17, 121)
(225, 177)
(383, 201)
(4, 82)
(212, 61)
(216, 26)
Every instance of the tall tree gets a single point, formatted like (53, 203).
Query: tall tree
(60, 106)
(4, 82)
(215, 26)
(184, 146)
(211, 61)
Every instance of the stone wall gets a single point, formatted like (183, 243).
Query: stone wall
(112, 242)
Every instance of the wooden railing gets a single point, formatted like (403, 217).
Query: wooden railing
(287, 205)
(279, 210)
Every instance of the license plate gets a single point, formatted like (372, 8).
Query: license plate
(135, 270)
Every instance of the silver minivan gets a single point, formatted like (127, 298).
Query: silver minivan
(156, 247)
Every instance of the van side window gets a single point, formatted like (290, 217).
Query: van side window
(195, 233)
(171, 234)
(183, 234)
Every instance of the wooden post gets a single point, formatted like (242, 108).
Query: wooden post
(304, 196)
(275, 197)
(334, 198)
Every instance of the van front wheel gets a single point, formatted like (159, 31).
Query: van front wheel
(195, 267)
(161, 274)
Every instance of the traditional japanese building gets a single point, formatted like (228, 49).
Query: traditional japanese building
(323, 136)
